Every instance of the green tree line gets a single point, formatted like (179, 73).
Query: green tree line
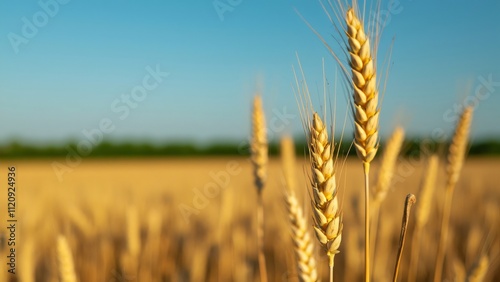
(179, 148)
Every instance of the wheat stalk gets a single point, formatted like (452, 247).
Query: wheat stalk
(456, 156)
(303, 246)
(365, 108)
(326, 210)
(422, 213)
(65, 258)
(259, 159)
(410, 200)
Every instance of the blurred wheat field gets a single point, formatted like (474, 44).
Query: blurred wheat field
(135, 220)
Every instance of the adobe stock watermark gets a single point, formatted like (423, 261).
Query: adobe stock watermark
(120, 108)
(383, 17)
(32, 25)
(221, 179)
(485, 87)
(276, 125)
(224, 6)
(201, 196)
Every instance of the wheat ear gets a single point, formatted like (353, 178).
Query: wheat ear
(303, 246)
(326, 210)
(385, 175)
(388, 165)
(259, 158)
(288, 162)
(365, 108)
(364, 83)
(384, 180)
(422, 214)
(258, 145)
(456, 156)
(65, 258)
(426, 192)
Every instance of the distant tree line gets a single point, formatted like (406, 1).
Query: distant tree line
(179, 148)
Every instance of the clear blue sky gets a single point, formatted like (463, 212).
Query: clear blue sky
(67, 74)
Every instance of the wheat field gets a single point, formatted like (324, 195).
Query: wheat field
(389, 215)
(141, 220)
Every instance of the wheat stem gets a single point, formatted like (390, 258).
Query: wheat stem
(330, 264)
(260, 238)
(366, 170)
(374, 230)
(410, 200)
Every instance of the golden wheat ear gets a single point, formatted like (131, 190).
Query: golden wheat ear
(384, 180)
(365, 107)
(327, 213)
(288, 162)
(65, 258)
(388, 164)
(303, 245)
(458, 148)
(456, 157)
(365, 94)
(259, 158)
(258, 144)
